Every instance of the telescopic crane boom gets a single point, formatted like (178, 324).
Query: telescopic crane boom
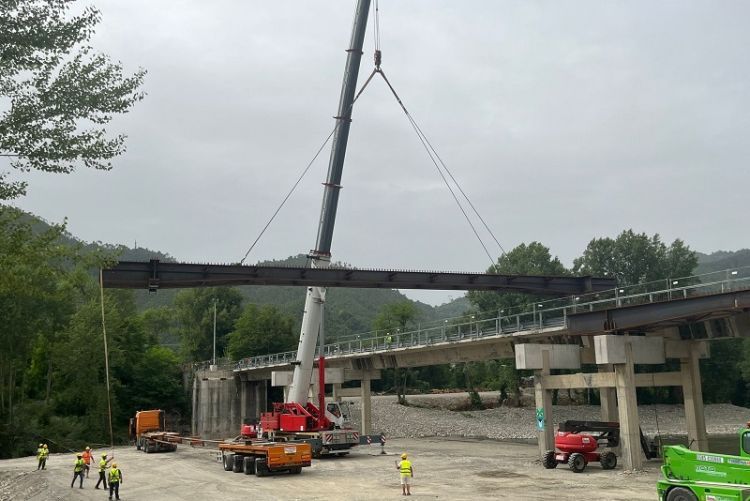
(320, 256)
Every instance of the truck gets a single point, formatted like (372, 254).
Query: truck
(320, 424)
(689, 475)
(334, 436)
(148, 431)
(252, 456)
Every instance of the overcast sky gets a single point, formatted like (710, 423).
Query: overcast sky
(563, 121)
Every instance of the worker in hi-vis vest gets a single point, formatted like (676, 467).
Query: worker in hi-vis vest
(78, 468)
(103, 471)
(406, 472)
(115, 479)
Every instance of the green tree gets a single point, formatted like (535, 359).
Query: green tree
(60, 93)
(635, 258)
(531, 259)
(261, 330)
(393, 318)
(194, 314)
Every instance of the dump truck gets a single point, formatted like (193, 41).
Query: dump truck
(689, 475)
(148, 431)
(252, 456)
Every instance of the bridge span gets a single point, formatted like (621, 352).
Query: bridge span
(617, 329)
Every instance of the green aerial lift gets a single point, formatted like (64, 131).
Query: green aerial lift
(704, 476)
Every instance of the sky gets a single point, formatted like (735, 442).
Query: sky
(562, 121)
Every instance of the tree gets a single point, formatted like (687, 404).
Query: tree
(634, 258)
(59, 92)
(194, 313)
(260, 330)
(396, 317)
(531, 259)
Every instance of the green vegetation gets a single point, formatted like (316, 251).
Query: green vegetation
(52, 379)
(60, 92)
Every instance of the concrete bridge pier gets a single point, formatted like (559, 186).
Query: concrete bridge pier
(222, 401)
(692, 392)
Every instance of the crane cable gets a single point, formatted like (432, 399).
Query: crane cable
(106, 362)
(305, 170)
(429, 148)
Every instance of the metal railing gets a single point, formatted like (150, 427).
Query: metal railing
(535, 317)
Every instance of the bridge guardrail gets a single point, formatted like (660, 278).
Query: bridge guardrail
(545, 314)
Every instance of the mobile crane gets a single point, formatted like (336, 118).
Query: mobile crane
(323, 426)
(703, 476)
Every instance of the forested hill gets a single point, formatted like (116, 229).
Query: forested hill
(723, 260)
(349, 311)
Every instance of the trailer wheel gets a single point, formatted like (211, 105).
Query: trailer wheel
(238, 463)
(228, 460)
(608, 460)
(681, 494)
(249, 465)
(577, 462)
(261, 468)
(549, 460)
(296, 470)
(146, 447)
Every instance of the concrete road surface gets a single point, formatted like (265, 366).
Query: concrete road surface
(444, 469)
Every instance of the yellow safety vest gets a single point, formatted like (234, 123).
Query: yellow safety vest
(40, 452)
(79, 465)
(103, 465)
(114, 475)
(45, 453)
(405, 467)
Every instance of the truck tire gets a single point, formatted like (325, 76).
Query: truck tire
(238, 463)
(681, 494)
(261, 468)
(228, 460)
(549, 460)
(577, 462)
(296, 470)
(608, 460)
(249, 465)
(146, 447)
(137, 444)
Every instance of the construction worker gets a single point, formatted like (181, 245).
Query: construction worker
(406, 471)
(103, 471)
(87, 457)
(40, 456)
(115, 479)
(78, 470)
(45, 455)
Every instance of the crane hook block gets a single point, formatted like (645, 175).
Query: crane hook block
(378, 58)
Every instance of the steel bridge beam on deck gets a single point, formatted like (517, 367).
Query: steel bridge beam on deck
(156, 275)
(658, 315)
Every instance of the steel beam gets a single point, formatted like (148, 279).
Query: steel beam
(650, 316)
(156, 275)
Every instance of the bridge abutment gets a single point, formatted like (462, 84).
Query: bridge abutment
(222, 401)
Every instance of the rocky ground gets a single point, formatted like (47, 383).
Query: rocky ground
(426, 416)
(450, 449)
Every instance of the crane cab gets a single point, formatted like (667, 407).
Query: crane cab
(339, 413)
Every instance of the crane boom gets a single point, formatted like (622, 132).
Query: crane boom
(320, 257)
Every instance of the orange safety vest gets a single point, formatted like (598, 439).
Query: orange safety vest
(87, 457)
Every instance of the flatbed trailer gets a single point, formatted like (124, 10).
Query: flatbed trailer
(262, 458)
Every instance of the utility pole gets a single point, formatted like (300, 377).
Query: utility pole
(213, 360)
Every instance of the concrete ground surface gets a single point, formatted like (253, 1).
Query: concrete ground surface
(444, 469)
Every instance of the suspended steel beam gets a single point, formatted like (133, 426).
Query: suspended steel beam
(156, 275)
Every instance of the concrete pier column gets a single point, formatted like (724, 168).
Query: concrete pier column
(261, 397)
(692, 392)
(543, 399)
(608, 398)
(627, 405)
(336, 392)
(196, 408)
(366, 406)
